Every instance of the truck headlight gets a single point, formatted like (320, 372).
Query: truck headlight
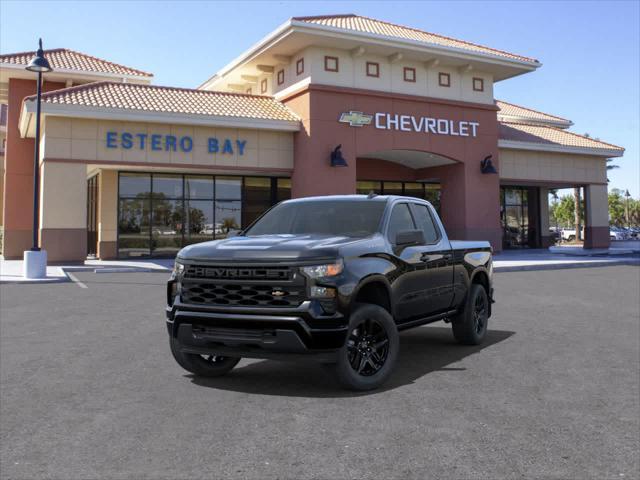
(323, 271)
(178, 268)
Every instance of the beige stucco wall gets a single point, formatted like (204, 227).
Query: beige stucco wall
(598, 200)
(552, 167)
(81, 139)
(352, 73)
(63, 195)
(108, 206)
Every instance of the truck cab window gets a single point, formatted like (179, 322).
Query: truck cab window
(400, 220)
(425, 223)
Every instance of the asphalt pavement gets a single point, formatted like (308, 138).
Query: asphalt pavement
(89, 390)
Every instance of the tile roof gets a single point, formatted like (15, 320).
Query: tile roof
(544, 135)
(65, 59)
(152, 98)
(512, 110)
(370, 25)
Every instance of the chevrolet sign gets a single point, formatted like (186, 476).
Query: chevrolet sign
(410, 123)
(355, 119)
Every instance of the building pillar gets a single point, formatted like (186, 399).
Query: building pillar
(469, 202)
(596, 217)
(18, 174)
(312, 170)
(107, 214)
(63, 211)
(546, 240)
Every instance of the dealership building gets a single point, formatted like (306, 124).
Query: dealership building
(325, 105)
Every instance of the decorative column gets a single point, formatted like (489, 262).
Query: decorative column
(596, 217)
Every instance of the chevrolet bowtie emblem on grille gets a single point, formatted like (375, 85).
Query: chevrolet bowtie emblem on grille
(355, 119)
(277, 293)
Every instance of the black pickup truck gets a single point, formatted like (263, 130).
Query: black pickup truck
(330, 278)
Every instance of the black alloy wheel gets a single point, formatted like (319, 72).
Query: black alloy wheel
(368, 347)
(470, 325)
(480, 313)
(371, 348)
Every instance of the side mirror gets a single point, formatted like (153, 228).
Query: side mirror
(410, 237)
(233, 233)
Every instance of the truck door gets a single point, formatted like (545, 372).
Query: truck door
(408, 285)
(436, 259)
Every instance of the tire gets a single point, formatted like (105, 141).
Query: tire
(571, 238)
(370, 352)
(470, 326)
(211, 366)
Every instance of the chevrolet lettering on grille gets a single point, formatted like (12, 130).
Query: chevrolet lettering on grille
(239, 273)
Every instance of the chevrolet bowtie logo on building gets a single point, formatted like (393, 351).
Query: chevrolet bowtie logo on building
(356, 119)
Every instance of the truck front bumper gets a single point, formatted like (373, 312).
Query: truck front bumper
(304, 331)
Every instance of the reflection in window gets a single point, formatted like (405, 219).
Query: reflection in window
(228, 217)
(228, 188)
(199, 221)
(166, 228)
(256, 198)
(135, 184)
(198, 187)
(167, 186)
(133, 227)
(160, 213)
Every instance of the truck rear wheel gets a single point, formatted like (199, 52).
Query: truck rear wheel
(202, 365)
(370, 352)
(470, 326)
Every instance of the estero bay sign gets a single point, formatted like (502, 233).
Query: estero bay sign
(411, 123)
(171, 143)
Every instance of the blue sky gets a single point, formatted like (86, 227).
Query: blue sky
(589, 50)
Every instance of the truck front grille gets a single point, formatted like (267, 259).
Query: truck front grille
(243, 294)
(238, 273)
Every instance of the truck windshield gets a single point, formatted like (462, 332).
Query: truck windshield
(353, 218)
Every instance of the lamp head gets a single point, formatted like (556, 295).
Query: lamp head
(486, 166)
(337, 160)
(39, 62)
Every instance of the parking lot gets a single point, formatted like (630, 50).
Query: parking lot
(90, 390)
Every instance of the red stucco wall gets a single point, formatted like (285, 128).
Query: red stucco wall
(470, 200)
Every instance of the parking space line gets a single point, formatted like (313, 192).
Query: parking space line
(75, 280)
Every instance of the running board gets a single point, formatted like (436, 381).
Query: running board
(425, 320)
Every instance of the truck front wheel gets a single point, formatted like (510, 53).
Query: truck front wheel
(370, 352)
(470, 325)
(202, 365)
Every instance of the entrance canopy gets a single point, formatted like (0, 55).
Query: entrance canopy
(410, 158)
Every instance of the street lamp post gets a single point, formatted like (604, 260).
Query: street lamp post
(35, 260)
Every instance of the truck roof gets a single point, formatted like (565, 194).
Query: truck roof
(351, 198)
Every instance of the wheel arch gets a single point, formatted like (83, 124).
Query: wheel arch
(374, 289)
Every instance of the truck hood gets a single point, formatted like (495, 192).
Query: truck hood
(268, 248)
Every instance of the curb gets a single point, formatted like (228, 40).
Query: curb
(564, 266)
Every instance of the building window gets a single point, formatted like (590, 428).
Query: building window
(426, 191)
(331, 64)
(263, 86)
(373, 69)
(478, 84)
(248, 91)
(280, 77)
(444, 79)
(159, 213)
(409, 74)
(300, 66)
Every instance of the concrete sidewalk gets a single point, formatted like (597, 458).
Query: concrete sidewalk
(507, 261)
(11, 270)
